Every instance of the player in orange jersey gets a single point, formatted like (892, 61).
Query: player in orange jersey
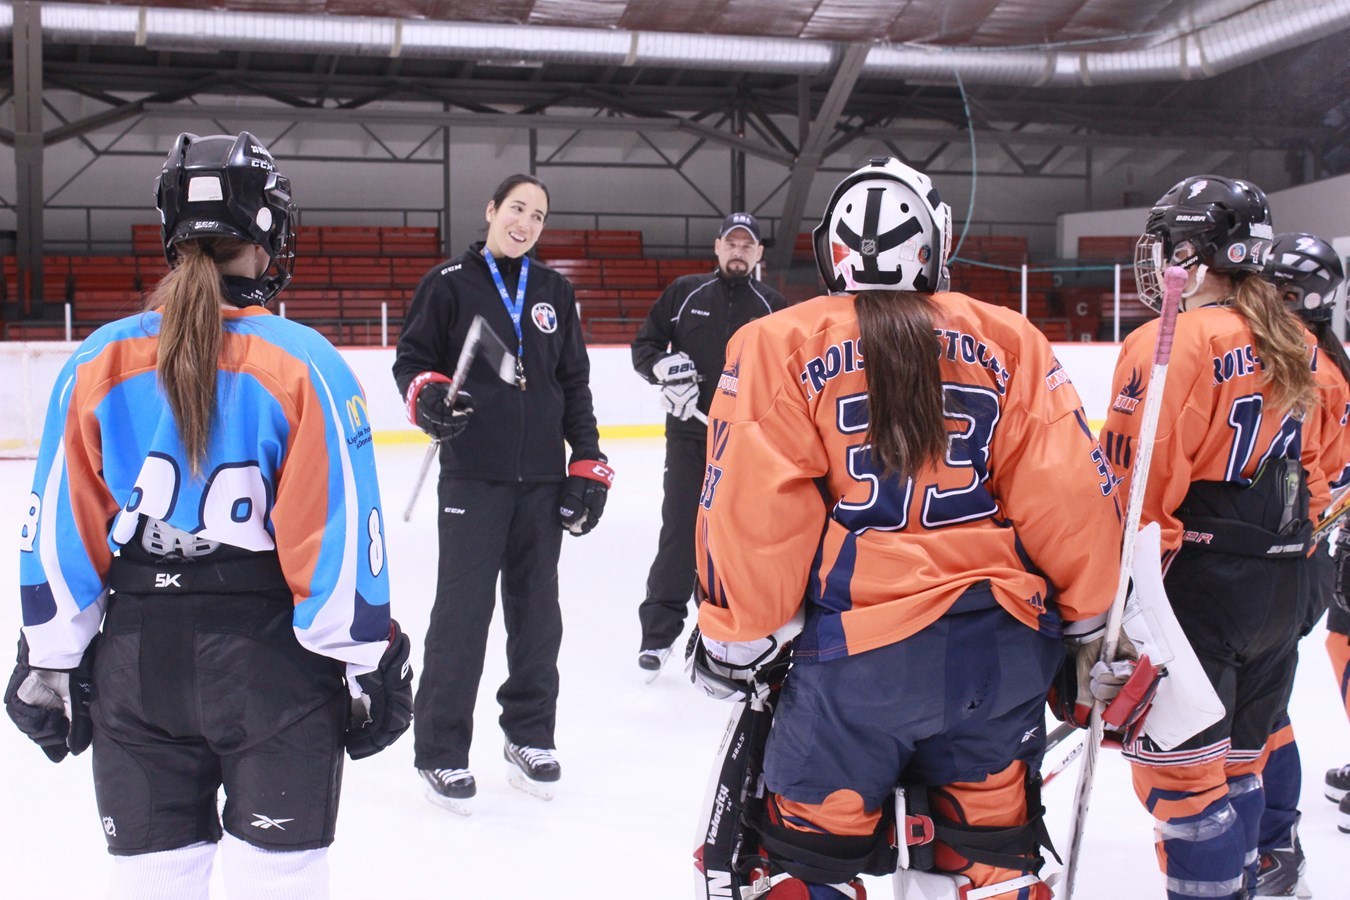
(911, 469)
(1233, 474)
(1308, 273)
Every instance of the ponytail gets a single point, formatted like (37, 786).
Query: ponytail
(1279, 342)
(191, 337)
(904, 380)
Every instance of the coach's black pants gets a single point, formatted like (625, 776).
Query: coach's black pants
(670, 583)
(488, 528)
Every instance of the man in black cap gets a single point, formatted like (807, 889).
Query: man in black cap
(681, 347)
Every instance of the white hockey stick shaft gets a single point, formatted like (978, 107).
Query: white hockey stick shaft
(698, 414)
(479, 333)
(1174, 281)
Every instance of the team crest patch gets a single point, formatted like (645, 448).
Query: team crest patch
(1130, 393)
(1237, 253)
(730, 380)
(545, 319)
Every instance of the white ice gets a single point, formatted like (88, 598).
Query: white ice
(635, 756)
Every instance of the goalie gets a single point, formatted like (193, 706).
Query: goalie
(906, 501)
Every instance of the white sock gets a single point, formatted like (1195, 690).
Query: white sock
(182, 874)
(255, 874)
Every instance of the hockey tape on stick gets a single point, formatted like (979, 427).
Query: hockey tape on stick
(698, 414)
(479, 340)
(1174, 281)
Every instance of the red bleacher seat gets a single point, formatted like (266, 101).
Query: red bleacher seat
(1107, 248)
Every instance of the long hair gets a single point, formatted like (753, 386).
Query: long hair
(1278, 338)
(191, 338)
(904, 381)
(1331, 346)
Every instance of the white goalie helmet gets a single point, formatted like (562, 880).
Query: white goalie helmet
(885, 228)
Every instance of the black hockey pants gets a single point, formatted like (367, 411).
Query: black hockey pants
(488, 528)
(670, 583)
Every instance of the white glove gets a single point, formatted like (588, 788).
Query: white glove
(680, 398)
(674, 367)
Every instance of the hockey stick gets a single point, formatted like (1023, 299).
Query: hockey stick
(1335, 515)
(480, 340)
(1174, 280)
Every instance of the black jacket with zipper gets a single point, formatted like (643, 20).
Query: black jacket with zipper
(513, 434)
(697, 315)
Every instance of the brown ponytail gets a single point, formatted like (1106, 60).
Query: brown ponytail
(904, 381)
(191, 337)
(1278, 337)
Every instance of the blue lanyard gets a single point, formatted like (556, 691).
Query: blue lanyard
(513, 309)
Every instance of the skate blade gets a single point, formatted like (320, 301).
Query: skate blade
(458, 807)
(650, 675)
(1303, 891)
(521, 782)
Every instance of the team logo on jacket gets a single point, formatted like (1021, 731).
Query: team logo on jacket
(730, 379)
(545, 319)
(1056, 376)
(1130, 393)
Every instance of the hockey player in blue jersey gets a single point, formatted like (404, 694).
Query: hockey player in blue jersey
(202, 560)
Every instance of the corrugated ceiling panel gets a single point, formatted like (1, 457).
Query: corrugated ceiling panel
(587, 13)
(785, 19)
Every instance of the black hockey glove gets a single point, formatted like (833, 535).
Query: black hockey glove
(37, 701)
(582, 500)
(1341, 593)
(428, 410)
(385, 712)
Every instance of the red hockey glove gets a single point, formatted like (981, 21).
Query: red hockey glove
(428, 406)
(582, 500)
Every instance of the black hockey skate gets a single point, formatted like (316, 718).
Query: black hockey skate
(1281, 873)
(651, 661)
(532, 770)
(449, 788)
(1338, 783)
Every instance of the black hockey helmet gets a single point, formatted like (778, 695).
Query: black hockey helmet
(229, 186)
(1307, 272)
(1205, 220)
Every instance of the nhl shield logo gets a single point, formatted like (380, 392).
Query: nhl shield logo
(868, 247)
(545, 319)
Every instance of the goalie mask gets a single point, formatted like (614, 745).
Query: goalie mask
(225, 186)
(1204, 222)
(1307, 272)
(884, 229)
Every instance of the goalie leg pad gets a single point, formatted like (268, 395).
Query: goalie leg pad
(818, 856)
(991, 830)
(913, 885)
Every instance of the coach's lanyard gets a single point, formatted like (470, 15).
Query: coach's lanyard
(513, 309)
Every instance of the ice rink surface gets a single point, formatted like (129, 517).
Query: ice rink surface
(635, 757)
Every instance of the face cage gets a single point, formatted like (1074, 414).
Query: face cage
(1148, 269)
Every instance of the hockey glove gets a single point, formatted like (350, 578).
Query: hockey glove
(582, 500)
(1125, 686)
(41, 703)
(428, 407)
(735, 670)
(674, 367)
(1341, 593)
(384, 710)
(679, 399)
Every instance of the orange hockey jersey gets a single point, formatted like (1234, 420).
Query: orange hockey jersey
(793, 509)
(1214, 424)
(1330, 420)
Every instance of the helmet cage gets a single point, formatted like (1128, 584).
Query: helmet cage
(884, 228)
(225, 186)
